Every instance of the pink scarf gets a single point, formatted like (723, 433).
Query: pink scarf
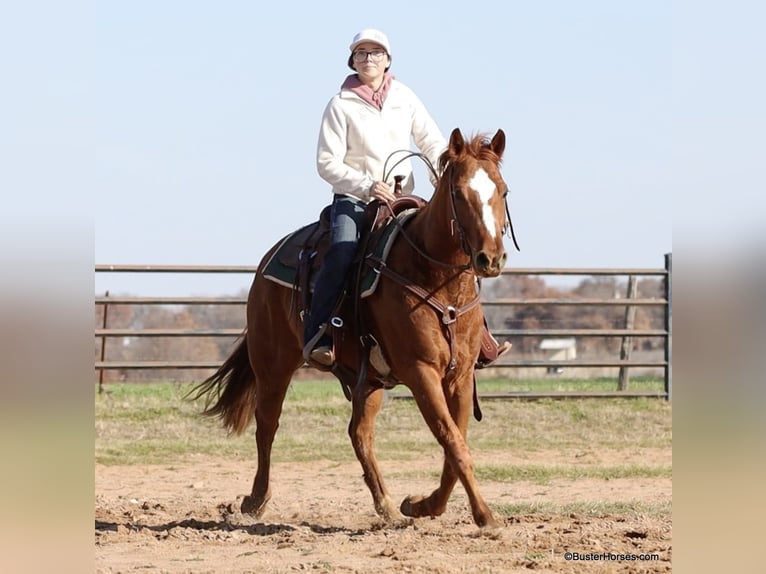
(373, 98)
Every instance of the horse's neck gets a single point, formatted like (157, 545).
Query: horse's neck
(438, 236)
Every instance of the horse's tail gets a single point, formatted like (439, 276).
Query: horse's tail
(232, 387)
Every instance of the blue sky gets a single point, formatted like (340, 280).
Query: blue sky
(182, 132)
(185, 131)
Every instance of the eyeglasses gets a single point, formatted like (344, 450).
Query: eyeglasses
(361, 55)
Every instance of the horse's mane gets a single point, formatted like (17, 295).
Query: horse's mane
(477, 146)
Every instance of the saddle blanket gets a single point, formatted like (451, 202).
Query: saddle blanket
(282, 267)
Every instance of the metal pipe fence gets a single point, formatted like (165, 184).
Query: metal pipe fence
(627, 333)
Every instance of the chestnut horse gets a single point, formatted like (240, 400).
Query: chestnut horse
(430, 334)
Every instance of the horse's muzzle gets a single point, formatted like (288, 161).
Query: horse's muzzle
(486, 265)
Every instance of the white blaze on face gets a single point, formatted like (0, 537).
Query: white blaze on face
(485, 189)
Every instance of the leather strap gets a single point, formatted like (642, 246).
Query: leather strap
(476, 408)
(449, 313)
(488, 347)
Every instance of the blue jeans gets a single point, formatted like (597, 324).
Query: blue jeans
(347, 216)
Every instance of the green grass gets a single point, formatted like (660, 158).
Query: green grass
(662, 508)
(557, 383)
(545, 474)
(144, 423)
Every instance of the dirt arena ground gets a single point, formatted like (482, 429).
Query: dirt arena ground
(185, 518)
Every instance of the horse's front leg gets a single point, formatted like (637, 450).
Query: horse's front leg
(459, 402)
(429, 395)
(366, 404)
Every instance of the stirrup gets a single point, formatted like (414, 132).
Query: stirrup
(322, 356)
(311, 354)
(502, 349)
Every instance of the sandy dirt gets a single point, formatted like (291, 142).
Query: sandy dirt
(185, 518)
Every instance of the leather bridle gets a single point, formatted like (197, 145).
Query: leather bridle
(464, 243)
(448, 313)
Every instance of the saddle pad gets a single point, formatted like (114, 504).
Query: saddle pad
(282, 267)
(381, 250)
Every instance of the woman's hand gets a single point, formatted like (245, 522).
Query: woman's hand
(382, 191)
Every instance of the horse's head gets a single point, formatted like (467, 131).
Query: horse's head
(471, 169)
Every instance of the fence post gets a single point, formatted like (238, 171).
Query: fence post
(669, 327)
(627, 342)
(103, 347)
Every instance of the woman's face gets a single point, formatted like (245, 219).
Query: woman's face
(368, 61)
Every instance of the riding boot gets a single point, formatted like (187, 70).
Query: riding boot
(318, 347)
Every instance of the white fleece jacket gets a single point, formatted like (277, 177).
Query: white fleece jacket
(356, 139)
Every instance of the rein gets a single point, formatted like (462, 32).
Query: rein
(464, 243)
(466, 247)
(449, 313)
(402, 232)
(510, 226)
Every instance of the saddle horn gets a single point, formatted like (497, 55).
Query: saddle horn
(398, 179)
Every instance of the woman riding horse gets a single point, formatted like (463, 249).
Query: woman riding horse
(425, 312)
(426, 316)
(373, 116)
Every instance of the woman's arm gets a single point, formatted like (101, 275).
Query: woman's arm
(332, 148)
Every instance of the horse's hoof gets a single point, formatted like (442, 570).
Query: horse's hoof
(406, 507)
(253, 507)
(400, 522)
(395, 520)
(411, 506)
(494, 532)
(491, 527)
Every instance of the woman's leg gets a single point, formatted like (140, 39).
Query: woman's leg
(347, 215)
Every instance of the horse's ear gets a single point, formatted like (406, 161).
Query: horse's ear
(498, 143)
(456, 142)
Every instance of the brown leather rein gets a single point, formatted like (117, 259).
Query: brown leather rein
(449, 313)
(465, 245)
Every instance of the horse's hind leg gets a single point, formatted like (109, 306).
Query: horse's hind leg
(367, 402)
(275, 354)
(267, 412)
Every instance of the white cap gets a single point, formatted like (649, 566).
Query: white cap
(370, 35)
